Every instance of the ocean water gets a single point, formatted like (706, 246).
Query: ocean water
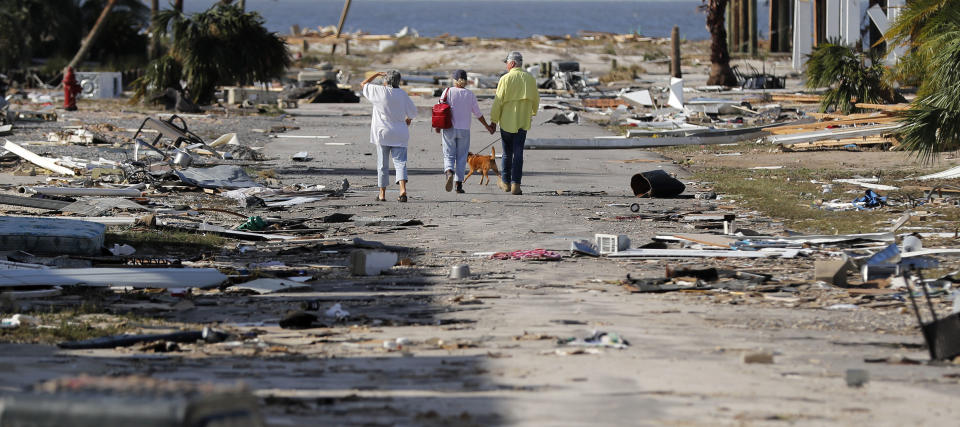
(488, 18)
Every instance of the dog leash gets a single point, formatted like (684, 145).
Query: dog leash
(488, 145)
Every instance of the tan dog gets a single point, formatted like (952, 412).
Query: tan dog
(483, 164)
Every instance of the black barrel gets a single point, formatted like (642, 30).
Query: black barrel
(656, 183)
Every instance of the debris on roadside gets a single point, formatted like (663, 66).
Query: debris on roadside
(528, 255)
(597, 339)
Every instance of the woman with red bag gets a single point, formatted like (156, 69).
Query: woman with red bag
(456, 138)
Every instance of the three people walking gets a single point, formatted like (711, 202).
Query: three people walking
(516, 102)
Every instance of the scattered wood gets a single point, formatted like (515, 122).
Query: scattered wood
(835, 134)
(795, 98)
(840, 143)
(791, 129)
(835, 116)
(604, 103)
(41, 161)
(883, 107)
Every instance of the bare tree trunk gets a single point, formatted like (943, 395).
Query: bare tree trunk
(720, 72)
(92, 36)
(154, 47)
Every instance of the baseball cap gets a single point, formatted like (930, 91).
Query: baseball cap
(460, 75)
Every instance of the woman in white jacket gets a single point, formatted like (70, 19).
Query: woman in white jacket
(393, 110)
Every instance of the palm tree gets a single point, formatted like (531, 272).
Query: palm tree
(849, 75)
(931, 28)
(221, 46)
(720, 71)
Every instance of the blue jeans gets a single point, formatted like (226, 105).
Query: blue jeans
(512, 170)
(456, 144)
(399, 156)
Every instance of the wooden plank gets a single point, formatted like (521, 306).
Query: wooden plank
(834, 116)
(883, 107)
(604, 103)
(795, 98)
(842, 143)
(788, 129)
(41, 161)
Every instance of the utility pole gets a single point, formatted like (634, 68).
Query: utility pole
(675, 59)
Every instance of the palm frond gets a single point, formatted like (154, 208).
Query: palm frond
(932, 124)
(914, 21)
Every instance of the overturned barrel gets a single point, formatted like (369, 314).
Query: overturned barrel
(656, 183)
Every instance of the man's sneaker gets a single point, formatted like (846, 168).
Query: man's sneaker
(515, 189)
(460, 188)
(503, 186)
(449, 185)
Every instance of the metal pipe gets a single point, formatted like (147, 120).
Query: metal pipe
(70, 191)
(105, 220)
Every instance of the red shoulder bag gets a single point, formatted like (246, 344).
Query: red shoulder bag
(442, 116)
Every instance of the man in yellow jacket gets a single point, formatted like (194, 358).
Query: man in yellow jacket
(515, 104)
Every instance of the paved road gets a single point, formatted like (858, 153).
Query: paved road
(498, 362)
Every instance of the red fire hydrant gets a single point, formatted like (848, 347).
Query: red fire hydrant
(70, 90)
